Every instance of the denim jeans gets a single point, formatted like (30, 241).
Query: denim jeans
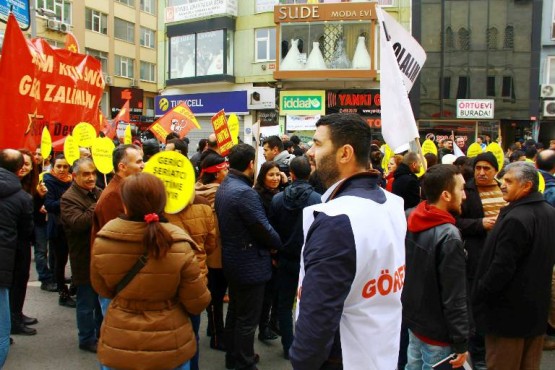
(5, 325)
(185, 366)
(104, 303)
(42, 257)
(89, 317)
(421, 356)
(195, 321)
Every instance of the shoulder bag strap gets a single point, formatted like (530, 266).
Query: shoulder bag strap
(141, 262)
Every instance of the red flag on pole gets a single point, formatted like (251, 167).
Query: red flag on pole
(71, 43)
(110, 129)
(179, 120)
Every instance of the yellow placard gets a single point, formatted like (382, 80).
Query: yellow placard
(233, 125)
(496, 150)
(102, 150)
(127, 138)
(428, 146)
(473, 150)
(387, 154)
(84, 134)
(178, 176)
(71, 149)
(541, 185)
(45, 143)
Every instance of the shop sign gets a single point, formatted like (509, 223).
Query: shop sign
(475, 108)
(120, 95)
(205, 103)
(193, 9)
(21, 10)
(261, 98)
(363, 102)
(325, 12)
(268, 117)
(302, 103)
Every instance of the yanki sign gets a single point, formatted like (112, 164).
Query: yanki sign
(302, 103)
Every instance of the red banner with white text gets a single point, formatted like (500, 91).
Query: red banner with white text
(44, 87)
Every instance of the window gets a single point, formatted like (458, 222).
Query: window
(201, 54)
(490, 88)
(101, 56)
(127, 2)
(553, 25)
(124, 66)
(265, 44)
(124, 30)
(96, 21)
(62, 8)
(148, 6)
(550, 70)
(147, 38)
(508, 88)
(463, 89)
(148, 72)
(446, 87)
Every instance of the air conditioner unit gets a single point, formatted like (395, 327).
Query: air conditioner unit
(53, 24)
(549, 108)
(65, 28)
(547, 91)
(107, 79)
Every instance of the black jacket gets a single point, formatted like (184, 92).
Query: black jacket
(434, 295)
(286, 216)
(16, 222)
(407, 186)
(52, 199)
(513, 285)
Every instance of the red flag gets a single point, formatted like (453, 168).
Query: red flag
(223, 135)
(110, 129)
(71, 43)
(179, 120)
(44, 87)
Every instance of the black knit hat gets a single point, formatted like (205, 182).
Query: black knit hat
(487, 157)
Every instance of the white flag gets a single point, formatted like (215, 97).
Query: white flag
(401, 59)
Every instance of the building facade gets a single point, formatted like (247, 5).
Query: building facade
(547, 73)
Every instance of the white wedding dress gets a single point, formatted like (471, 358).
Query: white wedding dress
(361, 59)
(339, 59)
(291, 61)
(315, 59)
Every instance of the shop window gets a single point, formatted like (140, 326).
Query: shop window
(463, 89)
(342, 45)
(490, 88)
(201, 54)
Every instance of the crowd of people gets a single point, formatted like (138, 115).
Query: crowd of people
(388, 269)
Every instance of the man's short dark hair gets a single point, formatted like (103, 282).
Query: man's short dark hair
(180, 145)
(530, 152)
(438, 179)
(288, 144)
(349, 129)
(295, 139)
(546, 160)
(240, 156)
(202, 144)
(119, 153)
(11, 160)
(410, 158)
(273, 141)
(300, 167)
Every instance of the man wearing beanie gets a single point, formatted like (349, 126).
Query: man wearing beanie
(484, 200)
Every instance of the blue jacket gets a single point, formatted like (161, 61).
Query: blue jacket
(52, 199)
(246, 234)
(549, 192)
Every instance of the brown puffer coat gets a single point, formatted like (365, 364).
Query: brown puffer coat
(208, 191)
(147, 326)
(197, 219)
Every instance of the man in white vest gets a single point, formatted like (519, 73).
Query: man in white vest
(353, 260)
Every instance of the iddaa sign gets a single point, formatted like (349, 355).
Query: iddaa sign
(302, 103)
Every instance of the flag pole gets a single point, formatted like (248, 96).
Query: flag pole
(414, 146)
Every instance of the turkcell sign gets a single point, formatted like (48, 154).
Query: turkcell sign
(302, 103)
(475, 108)
(204, 103)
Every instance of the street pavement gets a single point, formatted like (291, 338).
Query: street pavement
(55, 346)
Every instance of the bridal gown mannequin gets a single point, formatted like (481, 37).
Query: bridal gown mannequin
(315, 59)
(361, 59)
(291, 61)
(339, 59)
